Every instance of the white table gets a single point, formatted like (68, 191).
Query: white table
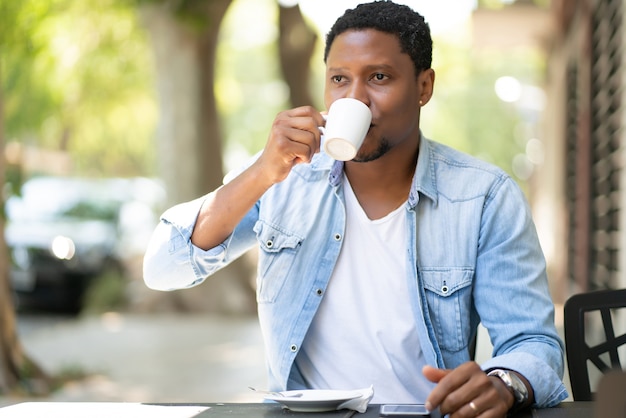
(99, 410)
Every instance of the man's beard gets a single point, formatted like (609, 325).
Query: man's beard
(383, 148)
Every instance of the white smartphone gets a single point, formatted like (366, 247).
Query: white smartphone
(404, 410)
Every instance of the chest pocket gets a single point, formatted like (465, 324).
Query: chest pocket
(278, 249)
(449, 297)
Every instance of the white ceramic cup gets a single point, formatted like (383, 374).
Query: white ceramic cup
(347, 123)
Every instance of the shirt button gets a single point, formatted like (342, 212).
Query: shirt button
(293, 348)
(319, 292)
(444, 289)
(269, 243)
(337, 237)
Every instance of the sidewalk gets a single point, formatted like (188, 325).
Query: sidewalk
(161, 358)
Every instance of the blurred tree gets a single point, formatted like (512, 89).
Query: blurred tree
(249, 99)
(87, 92)
(184, 37)
(18, 372)
(105, 113)
(190, 145)
(297, 42)
(482, 124)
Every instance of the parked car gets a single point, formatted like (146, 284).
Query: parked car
(64, 232)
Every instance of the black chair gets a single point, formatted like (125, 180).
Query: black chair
(579, 312)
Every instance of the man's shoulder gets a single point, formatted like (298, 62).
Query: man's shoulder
(448, 158)
(461, 176)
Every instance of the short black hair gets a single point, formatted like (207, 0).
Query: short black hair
(409, 26)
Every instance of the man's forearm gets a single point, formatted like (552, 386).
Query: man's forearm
(226, 206)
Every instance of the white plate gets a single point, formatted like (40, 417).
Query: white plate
(315, 400)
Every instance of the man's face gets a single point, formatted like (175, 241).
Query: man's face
(368, 65)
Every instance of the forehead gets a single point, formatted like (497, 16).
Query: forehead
(368, 45)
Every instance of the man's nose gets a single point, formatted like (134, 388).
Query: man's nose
(358, 91)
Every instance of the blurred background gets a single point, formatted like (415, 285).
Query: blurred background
(113, 110)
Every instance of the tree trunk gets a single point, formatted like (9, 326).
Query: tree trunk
(296, 45)
(188, 135)
(189, 139)
(18, 374)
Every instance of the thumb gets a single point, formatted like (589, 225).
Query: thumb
(433, 374)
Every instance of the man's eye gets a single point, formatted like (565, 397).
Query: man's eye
(337, 78)
(379, 77)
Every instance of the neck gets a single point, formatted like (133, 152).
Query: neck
(384, 184)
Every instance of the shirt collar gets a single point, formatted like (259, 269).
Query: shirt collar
(424, 180)
(336, 174)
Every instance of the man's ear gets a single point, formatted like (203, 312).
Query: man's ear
(426, 84)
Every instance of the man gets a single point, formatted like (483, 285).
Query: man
(378, 270)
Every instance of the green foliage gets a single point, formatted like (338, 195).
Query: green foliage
(249, 87)
(78, 79)
(189, 12)
(499, 4)
(465, 111)
(19, 21)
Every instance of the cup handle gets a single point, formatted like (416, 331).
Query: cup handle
(323, 128)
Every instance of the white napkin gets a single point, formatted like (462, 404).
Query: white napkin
(359, 404)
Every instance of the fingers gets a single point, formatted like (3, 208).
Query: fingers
(296, 131)
(464, 392)
(483, 406)
(294, 138)
(452, 386)
(473, 407)
(433, 374)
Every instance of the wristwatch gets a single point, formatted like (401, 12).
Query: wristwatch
(513, 383)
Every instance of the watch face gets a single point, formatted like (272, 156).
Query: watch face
(514, 383)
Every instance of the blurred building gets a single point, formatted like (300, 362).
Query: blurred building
(523, 25)
(583, 177)
(577, 192)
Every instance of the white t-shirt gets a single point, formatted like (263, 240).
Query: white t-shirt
(364, 331)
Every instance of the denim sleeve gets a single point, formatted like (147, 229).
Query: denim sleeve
(512, 297)
(172, 261)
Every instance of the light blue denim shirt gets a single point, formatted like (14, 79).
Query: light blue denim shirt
(473, 250)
